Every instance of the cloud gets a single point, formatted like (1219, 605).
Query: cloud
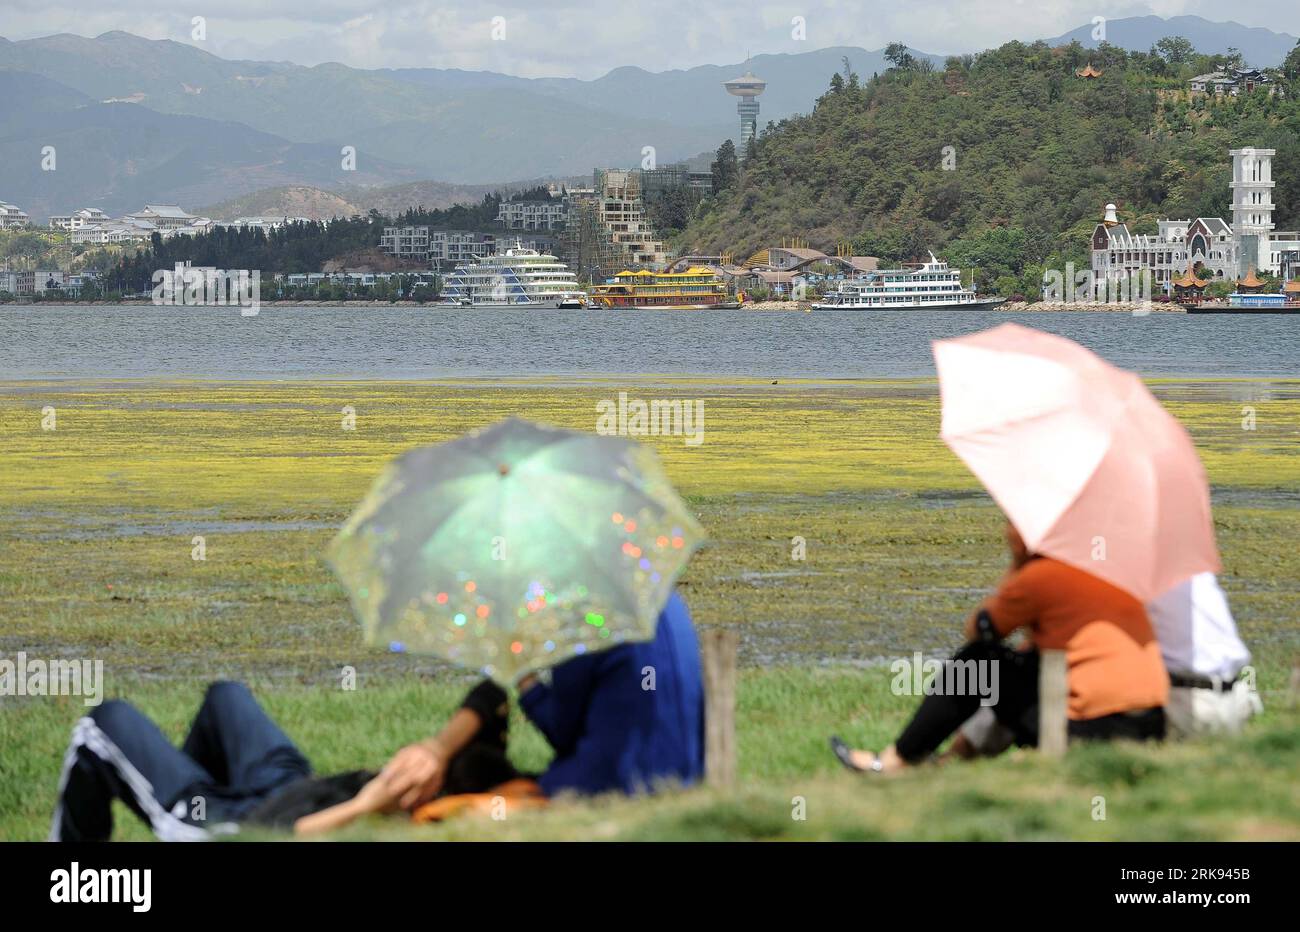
(586, 38)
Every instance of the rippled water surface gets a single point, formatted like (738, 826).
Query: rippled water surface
(408, 342)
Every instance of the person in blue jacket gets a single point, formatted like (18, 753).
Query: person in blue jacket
(626, 719)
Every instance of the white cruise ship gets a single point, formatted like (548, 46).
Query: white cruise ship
(519, 278)
(933, 286)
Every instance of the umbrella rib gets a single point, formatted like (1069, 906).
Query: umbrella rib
(633, 480)
(1126, 404)
(1009, 422)
(621, 581)
(1028, 419)
(416, 553)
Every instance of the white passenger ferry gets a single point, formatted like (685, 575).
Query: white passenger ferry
(518, 278)
(933, 286)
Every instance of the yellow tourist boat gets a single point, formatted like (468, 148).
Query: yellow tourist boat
(695, 288)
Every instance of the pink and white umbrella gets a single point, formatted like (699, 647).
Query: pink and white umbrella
(1084, 461)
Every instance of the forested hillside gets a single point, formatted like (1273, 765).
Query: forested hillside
(1036, 151)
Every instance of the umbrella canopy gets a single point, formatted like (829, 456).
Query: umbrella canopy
(1084, 461)
(515, 547)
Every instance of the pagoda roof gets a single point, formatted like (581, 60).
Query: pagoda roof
(1089, 72)
(1189, 280)
(1251, 280)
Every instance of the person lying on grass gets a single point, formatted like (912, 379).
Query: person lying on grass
(234, 760)
(612, 730)
(625, 719)
(1116, 678)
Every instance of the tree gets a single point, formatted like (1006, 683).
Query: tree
(897, 54)
(1291, 66)
(724, 168)
(671, 210)
(997, 252)
(850, 77)
(1176, 50)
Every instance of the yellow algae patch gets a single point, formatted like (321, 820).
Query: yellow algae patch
(840, 526)
(253, 446)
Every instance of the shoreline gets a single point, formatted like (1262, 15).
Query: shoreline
(1169, 388)
(1018, 307)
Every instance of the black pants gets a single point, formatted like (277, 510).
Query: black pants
(1016, 707)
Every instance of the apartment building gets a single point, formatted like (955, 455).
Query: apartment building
(12, 216)
(549, 214)
(86, 216)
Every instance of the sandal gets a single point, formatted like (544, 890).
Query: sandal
(845, 756)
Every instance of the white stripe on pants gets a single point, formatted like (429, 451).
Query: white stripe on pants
(88, 735)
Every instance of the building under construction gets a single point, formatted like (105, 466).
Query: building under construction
(607, 231)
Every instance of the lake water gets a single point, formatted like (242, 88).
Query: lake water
(45, 341)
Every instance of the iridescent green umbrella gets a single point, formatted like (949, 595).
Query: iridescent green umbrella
(515, 547)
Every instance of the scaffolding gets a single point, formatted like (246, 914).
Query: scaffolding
(607, 232)
(589, 249)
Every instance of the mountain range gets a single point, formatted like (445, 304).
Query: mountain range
(135, 120)
(120, 156)
(1259, 47)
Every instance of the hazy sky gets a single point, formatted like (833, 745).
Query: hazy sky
(585, 38)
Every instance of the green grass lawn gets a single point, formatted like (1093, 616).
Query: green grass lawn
(97, 520)
(789, 784)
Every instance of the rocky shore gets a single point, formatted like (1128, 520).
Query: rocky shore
(1137, 308)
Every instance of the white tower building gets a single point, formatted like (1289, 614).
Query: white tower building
(747, 88)
(1252, 204)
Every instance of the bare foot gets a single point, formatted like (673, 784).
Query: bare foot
(864, 760)
(887, 761)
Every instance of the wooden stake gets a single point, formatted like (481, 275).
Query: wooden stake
(718, 657)
(1053, 691)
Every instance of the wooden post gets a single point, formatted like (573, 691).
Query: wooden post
(1053, 691)
(718, 657)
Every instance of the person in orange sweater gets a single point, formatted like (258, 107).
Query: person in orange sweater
(1117, 682)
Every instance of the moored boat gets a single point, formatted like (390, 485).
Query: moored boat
(697, 288)
(520, 277)
(931, 287)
